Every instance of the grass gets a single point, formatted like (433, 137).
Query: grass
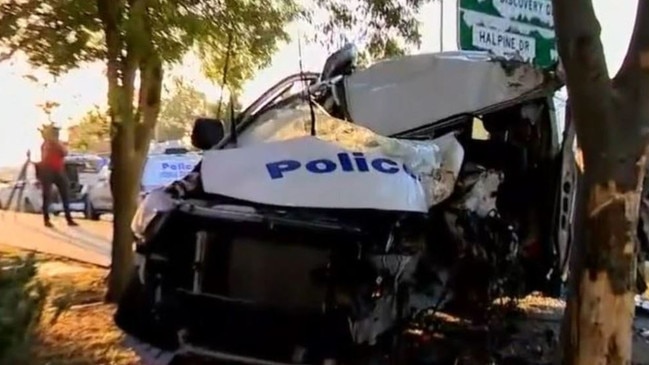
(76, 327)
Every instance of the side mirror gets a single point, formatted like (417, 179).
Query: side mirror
(207, 132)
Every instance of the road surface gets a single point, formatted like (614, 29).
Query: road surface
(89, 242)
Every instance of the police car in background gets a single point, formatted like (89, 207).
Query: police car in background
(161, 168)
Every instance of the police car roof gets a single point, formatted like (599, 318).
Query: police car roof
(178, 156)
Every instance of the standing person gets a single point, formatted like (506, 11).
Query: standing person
(51, 171)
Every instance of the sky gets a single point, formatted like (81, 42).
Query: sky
(80, 89)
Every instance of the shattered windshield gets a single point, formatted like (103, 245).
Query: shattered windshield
(276, 96)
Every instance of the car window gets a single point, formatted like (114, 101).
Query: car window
(275, 96)
(478, 130)
(294, 88)
(276, 113)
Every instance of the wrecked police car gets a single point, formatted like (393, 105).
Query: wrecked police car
(316, 231)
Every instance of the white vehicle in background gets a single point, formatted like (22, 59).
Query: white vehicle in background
(31, 199)
(81, 170)
(160, 169)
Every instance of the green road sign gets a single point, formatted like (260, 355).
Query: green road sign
(510, 28)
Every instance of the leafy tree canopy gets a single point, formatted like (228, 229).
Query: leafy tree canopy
(384, 27)
(62, 34)
(178, 110)
(92, 132)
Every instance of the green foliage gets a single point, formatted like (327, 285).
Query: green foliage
(92, 131)
(223, 111)
(385, 27)
(256, 27)
(61, 34)
(182, 106)
(179, 110)
(22, 299)
(55, 34)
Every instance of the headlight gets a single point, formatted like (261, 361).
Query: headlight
(155, 202)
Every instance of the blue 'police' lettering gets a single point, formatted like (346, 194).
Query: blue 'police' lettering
(177, 166)
(356, 162)
(361, 162)
(321, 166)
(345, 162)
(277, 169)
(385, 166)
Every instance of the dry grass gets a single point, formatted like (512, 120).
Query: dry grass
(82, 336)
(77, 327)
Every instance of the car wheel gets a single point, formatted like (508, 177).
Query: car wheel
(135, 316)
(89, 211)
(28, 207)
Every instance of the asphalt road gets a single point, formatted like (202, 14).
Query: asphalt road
(89, 242)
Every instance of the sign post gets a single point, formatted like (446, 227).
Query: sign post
(514, 29)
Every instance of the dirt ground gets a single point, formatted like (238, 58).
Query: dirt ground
(77, 327)
(540, 328)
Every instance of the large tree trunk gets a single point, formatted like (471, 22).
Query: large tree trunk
(125, 177)
(600, 306)
(611, 121)
(128, 52)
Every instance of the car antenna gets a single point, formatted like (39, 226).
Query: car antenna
(308, 91)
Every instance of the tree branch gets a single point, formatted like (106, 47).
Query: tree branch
(578, 36)
(133, 56)
(637, 56)
(582, 54)
(7, 55)
(109, 13)
(151, 75)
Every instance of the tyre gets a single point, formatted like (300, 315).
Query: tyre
(28, 207)
(135, 316)
(89, 211)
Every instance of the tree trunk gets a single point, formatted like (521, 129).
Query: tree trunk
(600, 305)
(130, 48)
(124, 185)
(611, 119)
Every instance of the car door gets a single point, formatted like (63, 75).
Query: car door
(571, 169)
(100, 195)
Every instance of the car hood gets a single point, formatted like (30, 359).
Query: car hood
(344, 166)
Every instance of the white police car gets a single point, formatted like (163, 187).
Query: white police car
(160, 169)
(317, 235)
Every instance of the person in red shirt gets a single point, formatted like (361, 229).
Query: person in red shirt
(51, 171)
